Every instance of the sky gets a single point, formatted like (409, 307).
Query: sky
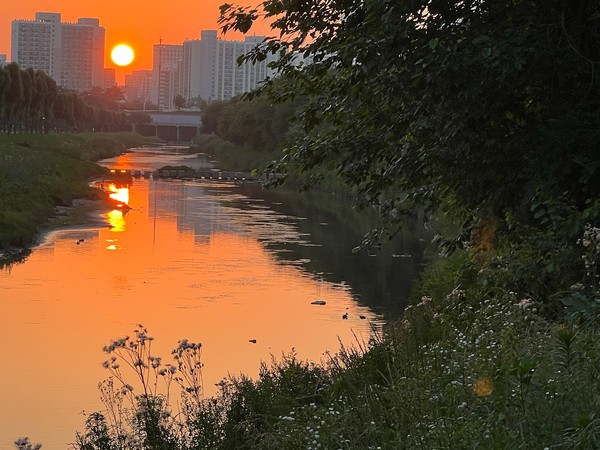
(138, 23)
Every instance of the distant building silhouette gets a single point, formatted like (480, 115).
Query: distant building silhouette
(71, 53)
(166, 70)
(206, 68)
(211, 70)
(110, 77)
(138, 87)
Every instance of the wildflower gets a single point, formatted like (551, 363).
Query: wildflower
(525, 303)
(127, 388)
(483, 387)
(156, 361)
(425, 299)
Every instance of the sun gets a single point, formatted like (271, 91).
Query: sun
(122, 55)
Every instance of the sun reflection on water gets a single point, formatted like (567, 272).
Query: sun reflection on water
(212, 276)
(116, 217)
(119, 193)
(116, 220)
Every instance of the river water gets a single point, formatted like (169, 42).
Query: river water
(212, 262)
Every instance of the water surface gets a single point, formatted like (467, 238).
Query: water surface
(215, 263)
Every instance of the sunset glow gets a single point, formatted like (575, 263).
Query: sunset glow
(207, 283)
(122, 55)
(141, 25)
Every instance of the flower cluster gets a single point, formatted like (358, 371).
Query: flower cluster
(591, 257)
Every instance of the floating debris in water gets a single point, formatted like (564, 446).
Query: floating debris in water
(318, 302)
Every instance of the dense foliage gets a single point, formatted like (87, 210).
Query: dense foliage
(488, 110)
(485, 116)
(257, 125)
(30, 101)
(26, 98)
(246, 135)
(486, 101)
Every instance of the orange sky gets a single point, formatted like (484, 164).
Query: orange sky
(139, 23)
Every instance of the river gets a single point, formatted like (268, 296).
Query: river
(212, 262)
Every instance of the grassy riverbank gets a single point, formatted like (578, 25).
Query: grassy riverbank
(500, 348)
(468, 367)
(41, 171)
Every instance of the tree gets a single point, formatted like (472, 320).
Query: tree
(139, 117)
(210, 116)
(109, 98)
(492, 106)
(179, 101)
(4, 87)
(14, 95)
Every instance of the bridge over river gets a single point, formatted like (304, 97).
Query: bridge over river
(170, 126)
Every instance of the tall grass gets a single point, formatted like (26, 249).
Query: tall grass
(465, 368)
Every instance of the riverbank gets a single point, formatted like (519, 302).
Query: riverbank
(42, 172)
(478, 361)
(467, 367)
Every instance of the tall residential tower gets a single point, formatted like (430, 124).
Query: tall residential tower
(71, 53)
(211, 70)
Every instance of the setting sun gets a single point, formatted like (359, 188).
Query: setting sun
(122, 55)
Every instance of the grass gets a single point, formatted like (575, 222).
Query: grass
(467, 367)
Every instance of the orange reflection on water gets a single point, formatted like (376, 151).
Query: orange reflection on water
(116, 220)
(121, 194)
(116, 217)
(184, 271)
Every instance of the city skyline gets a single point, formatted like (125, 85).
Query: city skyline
(73, 55)
(174, 23)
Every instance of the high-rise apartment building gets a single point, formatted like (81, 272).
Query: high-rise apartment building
(82, 59)
(211, 70)
(71, 53)
(138, 86)
(109, 77)
(205, 68)
(166, 73)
